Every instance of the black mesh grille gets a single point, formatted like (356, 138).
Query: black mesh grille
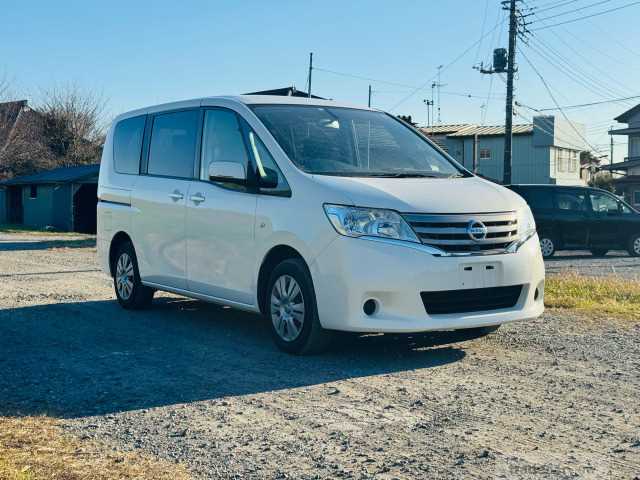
(470, 300)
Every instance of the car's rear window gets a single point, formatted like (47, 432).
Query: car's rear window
(127, 144)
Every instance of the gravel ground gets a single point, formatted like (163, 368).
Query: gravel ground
(203, 385)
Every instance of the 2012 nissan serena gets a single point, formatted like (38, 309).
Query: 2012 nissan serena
(318, 215)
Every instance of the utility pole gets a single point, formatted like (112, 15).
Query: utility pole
(504, 61)
(511, 61)
(369, 103)
(310, 71)
(429, 104)
(611, 148)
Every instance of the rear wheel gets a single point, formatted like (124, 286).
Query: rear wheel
(599, 252)
(292, 310)
(634, 245)
(130, 291)
(547, 246)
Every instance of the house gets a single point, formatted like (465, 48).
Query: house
(545, 151)
(64, 198)
(627, 182)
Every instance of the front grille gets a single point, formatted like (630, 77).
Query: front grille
(470, 300)
(449, 232)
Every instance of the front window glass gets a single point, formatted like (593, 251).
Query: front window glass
(603, 203)
(351, 142)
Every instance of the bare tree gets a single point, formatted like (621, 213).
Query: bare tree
(73, 125)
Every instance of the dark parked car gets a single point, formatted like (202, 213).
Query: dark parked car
(581, 218)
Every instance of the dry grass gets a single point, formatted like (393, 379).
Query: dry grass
(33, 448)
(598, 296)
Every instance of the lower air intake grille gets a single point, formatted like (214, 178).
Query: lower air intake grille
(470, 300)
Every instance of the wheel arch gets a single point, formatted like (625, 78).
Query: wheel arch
(273, 257)
(117, 240)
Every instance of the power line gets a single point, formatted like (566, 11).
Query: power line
(590, 104)
(588, 16)
(553, 98)
(455, 60)
(537, 10)
(562, 14)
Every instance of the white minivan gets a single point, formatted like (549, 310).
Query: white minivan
(318, 215)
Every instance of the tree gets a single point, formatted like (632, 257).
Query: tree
(604, 181)
(72, 122)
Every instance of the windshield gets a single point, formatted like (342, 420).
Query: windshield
(351, 142)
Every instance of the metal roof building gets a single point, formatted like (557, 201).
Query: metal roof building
(63, 198)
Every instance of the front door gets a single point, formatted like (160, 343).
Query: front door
(609, 221)
(571, 218)
(220, 217)
(160, 196)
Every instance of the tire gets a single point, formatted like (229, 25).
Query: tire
(599, 252)
(634, 245)
(291, 309)
(130, 291)
(547, 246)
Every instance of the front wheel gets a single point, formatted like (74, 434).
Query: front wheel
(547, 246)
(292, 310)
(634, 245)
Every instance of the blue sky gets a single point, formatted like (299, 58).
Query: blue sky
(138, 53)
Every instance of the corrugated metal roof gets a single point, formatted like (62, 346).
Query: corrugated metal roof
(57, 175)
(492, 130)
(445, 129)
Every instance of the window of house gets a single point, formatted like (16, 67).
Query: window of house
(562, 159)
(485, 154)
(127, 144)
(573, 161)
(33, 191)
(173, 144)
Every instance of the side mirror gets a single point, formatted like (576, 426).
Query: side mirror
(270, 178)
(229, 172)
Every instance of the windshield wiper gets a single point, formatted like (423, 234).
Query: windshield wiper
(404, 175)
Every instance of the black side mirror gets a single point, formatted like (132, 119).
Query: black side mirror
(269, 179)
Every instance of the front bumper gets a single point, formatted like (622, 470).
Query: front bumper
(351, 271)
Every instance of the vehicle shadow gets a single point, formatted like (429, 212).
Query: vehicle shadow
(89, 358)
(13, 245)
(585, 255)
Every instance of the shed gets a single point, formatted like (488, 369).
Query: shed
(63, 198)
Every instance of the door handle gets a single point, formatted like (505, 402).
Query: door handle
(197, 198)
(176, 195)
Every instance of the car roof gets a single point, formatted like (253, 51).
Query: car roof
(239, 100)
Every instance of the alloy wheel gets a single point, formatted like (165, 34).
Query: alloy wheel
(547, 247)
(636, 246)
(287, 308)
(124, 276)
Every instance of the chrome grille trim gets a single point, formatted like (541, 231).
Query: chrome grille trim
(448, 232)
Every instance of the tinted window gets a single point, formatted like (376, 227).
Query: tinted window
(572, 201)
(537, 198)
(603, 203)
(173, 144)
(222, 141)
(265, 162)
(127, 144)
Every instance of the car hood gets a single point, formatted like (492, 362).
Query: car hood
(424, 195)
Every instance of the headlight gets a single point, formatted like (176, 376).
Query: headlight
(526, 222)
(360, 222)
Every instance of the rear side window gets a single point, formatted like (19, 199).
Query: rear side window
(571, 201)
(127, 145)
(173, 144)
(537, 198)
